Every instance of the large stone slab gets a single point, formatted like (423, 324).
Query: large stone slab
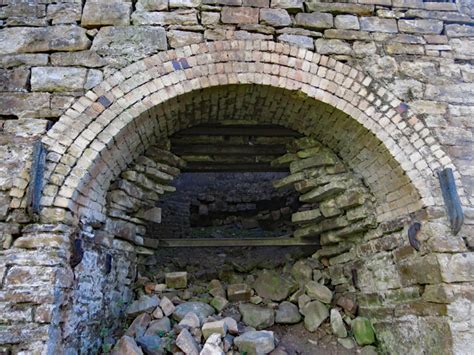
(314, 314)
(239, 15)
(257, 316)
(314, 20)
(376, 24)
(420, 26)
(255, 342)
(106, 13)
(132, 42)
(272, 285)
(43, 39)
(58, 79)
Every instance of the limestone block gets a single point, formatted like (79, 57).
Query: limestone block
(347, 22)
(46, 39)
(152, 5)
(176, 279)
(64, 13)
(420, 26)
(319, 292)
(217, 327)
(94, 78)
(14, 79)
(202, 310)
(178, 38)
(106, 13)
(314, 20)
(272, 285)
(323, 192)
(179, 17)
(275, 17)
(457, 267)
(239, 15)
(184, 3)
(255, 342)
(332, 46)
(132, 42)
(307, 216)
(314, 313)
(210, 18)
(317, 228)
(337, 324)
(340, 8)
(463, 48)
(287, 313)
(58, 79)
(257, 316)
(456, 30)
(376, 24)
(290, 5)
(256, 3)
(238, 292)
(88, 59)
(297, 40)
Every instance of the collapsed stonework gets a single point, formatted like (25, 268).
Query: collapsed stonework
(384, 85)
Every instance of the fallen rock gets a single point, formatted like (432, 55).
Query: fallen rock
(139, 325)
(318, 292)
(158, 327)
(369, 350)
(337, 324)
(272, 285)
(217, 327)
(287, 313)
(143, 304)
(176, 279)
(232, 326)
(190, 320)
(216, 289)
(302, 271)
(238, 292)
(157, 313)
(202, 310)
(363, 331)
(167, 306)
(213, 346)
(314, 314)
(187, 343)
(219, 303)
(347, 343)
(126, 345)
(257, 316)
(151, 344)
(255, 342)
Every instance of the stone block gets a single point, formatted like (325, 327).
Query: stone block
(297, 40)
(256, 3)
(307, 216)
(258, 317)
(275, 17)
(457, 267)
(314, 20)
(223, 2)
(184, 3)
(130, 42)
(176, 279)
(376, 24)
(420, 270)
(106, 13)
(316, 229)
(217, 327)
(179, 17)
(45, 39)
(187, 343)
(178, 38)
(64, 13)
(457, 30)
(340, 8)
(322, 159)
(238, 292)
(152, 5)
(314, 313)
(88, 59)
(319, 292)
(332, 46)
(255, 342)
(324, 192)
(347, 22)
(239, 15)
(58, 79)
(290, 5)
(420, 26)
(14, 79)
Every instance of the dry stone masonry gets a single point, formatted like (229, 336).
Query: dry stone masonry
(382, 92)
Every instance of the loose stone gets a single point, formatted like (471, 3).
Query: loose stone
(255, 342)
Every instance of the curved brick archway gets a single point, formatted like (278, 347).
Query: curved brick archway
(108, 127)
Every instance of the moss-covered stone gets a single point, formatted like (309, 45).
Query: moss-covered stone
(363, 331)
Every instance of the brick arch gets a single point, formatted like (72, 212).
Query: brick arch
(113, 123)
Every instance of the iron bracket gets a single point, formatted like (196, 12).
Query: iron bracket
(451, 199)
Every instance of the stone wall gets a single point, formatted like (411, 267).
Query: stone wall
(386, 84)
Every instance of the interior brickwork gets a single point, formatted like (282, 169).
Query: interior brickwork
(386, 85)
